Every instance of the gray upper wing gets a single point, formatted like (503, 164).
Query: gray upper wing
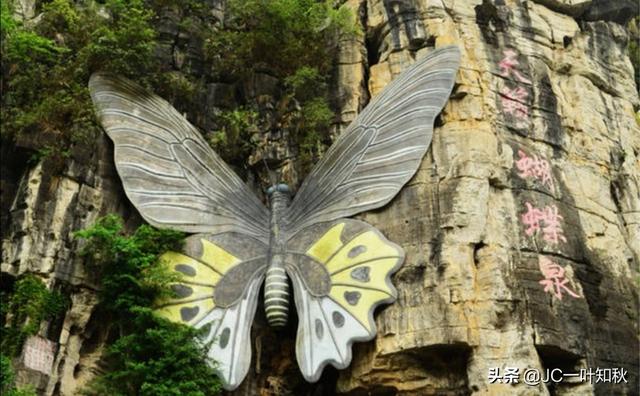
(169, 172)
(382, 149)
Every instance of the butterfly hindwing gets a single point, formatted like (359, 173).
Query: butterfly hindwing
(352, 263)
(220, 277)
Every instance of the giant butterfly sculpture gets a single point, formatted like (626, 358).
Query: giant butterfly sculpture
(339, 267)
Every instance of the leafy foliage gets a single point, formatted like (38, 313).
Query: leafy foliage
(293, 40)
(278, 36)
(160, 358)
(634, 47)
(27, 307)
(6, 380)
(152, 356)
(130, 276)
(234, 137)
(46, 67)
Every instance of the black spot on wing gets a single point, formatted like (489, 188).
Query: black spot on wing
(356, 251)
(186, 269)
(188, 313)
(182, 291)
(204, 331)
(361, 274)
(338, 319)
(319, 329)
(224, 337)
(352, 297)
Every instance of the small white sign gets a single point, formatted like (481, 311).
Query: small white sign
(39, 353)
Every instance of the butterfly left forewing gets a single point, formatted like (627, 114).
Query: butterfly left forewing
(220, 277)
(340, 272)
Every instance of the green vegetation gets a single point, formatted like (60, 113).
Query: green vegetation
(634, 47)
(295, 41)
(23, 311)
(279, 37)
(235, 135)
(46, 67)
(151, 355)
(6, 380)
(26, 308)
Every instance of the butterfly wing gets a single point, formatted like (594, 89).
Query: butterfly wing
(169, 172)
(340, 272)
(341, 269)
(219, 286)
(382, 149)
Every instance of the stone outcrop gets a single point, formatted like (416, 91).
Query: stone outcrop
(521, 228)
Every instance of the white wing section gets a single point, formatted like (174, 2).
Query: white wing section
(229, 338)
(325, 333)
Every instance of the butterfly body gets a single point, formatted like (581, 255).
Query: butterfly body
(339, 269)
(276, 284)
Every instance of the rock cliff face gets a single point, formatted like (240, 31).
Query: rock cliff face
(522, 226)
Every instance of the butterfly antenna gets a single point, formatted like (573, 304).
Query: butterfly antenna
(273, 178)
(280, 179)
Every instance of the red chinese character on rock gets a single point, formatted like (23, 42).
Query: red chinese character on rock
(514, 102)
(554, 281)
(547, 220)
(535, 167)
(552, 230)
(508, 66)
(532, 219)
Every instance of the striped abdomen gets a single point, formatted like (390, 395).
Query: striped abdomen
(276, 293)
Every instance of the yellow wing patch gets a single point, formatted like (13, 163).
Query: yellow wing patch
(218, 258)
(359, 269)
(199, 278)
(327, 245)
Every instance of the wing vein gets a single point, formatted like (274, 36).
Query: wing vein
(362, 262)
(361, 287)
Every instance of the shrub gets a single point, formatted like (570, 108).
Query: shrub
(45, 68)
(151, 355)
(6, 380)
(29, 304)
(234, 138)
(295, 41)
(278, 36)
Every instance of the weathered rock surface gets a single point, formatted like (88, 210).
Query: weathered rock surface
(533, 177)
(620, 11)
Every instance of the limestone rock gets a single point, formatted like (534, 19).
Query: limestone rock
(570, 7)
(620, 11)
